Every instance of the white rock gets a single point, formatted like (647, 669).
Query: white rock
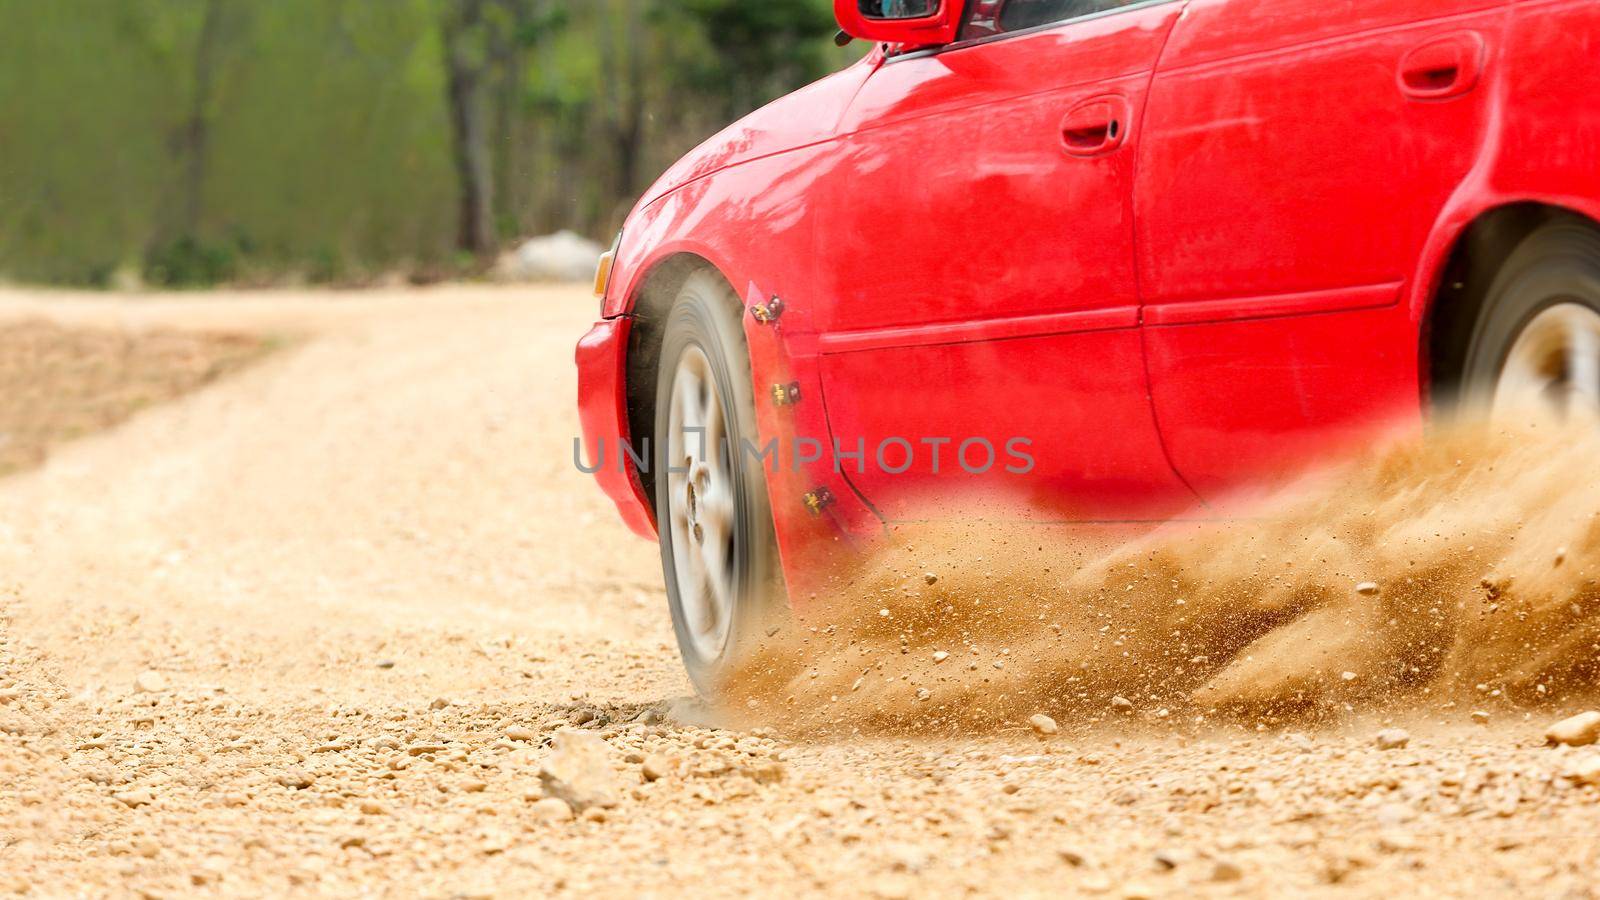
(1392, 739)
(578, 770)
(657, 766)
(563, 256)
(1393, 815)
(150, 683)
(1043, 724)
(296, 779)
(1578, 731)
(134, 798)
(1395, 840)
(1585, 769)
(903, 857)
(551, 809)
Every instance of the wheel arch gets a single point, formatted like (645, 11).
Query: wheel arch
(1462, 285)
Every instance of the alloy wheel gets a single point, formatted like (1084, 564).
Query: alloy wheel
(1554, 361)
(700, 492)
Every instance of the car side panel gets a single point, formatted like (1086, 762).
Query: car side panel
(1543, 143)
(1247, 403)
(807, 118)
(1293, 163)
(753, 223)
(1288, 189)
(1548, 145)
(955, 199)
(976, 278)
(1055, 445)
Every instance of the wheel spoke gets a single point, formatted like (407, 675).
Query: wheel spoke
(701, 612)
(700, 497)
(1554, 362)
(714, 434)
(1583, 360)
(691, 405)
(716, 507)
(719, 599)
(1520, 384)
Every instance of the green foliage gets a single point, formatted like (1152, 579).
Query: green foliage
(763, 50)
(188, 262)
(326, 150)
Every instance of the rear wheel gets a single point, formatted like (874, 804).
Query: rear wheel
(1537, 338)
(718, 551)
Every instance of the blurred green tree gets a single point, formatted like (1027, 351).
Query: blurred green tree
(200, 140)
(761, 50)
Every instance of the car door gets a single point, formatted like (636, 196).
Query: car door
(1296, 157)
(976, 270)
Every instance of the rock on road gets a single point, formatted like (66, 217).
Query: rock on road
(315, 629)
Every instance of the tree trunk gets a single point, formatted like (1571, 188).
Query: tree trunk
(630, 136)
(512, 51)
(197, 129)
(622, 58)
(465, 51)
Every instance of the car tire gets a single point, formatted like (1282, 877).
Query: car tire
(1537, 333)
(718, 549)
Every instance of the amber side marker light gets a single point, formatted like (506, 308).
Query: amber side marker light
(602, 274)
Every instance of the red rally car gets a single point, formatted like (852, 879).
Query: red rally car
(1111, 260)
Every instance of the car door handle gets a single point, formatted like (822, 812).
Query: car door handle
(1445, 67)
(1096, 126)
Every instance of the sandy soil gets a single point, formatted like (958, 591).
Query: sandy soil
(61, 383)
(312, 629)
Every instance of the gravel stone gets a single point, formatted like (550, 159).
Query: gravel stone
(1577, 731)
(657, 766)
(1391, 739)
(578, 770)
(551, 809)
(1226, 871)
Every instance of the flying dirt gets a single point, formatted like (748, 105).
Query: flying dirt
(1434, 570)
(349, 622)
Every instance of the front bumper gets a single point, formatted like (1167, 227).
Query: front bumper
(603, 411)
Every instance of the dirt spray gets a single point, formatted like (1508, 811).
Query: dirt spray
(1462, 564)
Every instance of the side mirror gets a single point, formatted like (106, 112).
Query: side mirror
(919, 23)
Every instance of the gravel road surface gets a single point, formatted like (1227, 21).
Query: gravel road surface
(350, 622)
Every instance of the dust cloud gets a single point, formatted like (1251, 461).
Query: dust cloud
(1455, 570)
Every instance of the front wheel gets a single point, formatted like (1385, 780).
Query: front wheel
(718, 551)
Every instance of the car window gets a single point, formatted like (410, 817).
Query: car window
(990, 17)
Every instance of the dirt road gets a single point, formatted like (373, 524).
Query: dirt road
(309, 630)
